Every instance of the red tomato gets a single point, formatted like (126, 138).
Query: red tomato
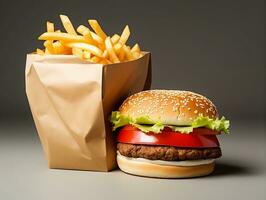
(197, 139)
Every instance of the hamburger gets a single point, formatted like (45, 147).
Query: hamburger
(168, 134)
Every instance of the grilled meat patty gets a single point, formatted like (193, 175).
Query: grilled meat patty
(167, 153)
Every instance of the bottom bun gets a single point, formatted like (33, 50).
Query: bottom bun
(141, 168)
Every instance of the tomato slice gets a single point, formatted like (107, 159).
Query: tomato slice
(132, 135)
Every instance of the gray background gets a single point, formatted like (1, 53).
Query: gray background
(215, 48)
(211, 47)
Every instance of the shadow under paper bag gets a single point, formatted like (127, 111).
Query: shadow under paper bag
(71, 101)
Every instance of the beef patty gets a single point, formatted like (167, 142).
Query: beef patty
(167, 153)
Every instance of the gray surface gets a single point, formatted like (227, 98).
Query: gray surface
(213, 47)
(240, 173)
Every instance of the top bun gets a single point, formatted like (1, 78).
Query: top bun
(171, 107)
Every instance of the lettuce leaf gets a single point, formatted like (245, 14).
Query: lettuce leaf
(214, 124)
(145, 124)
(156, 128)
(182, 129)
(119, 120)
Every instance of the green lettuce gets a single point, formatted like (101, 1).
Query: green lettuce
(145, 124)
(156, 128)
(214, 124)
(181, 129)
(119, 120)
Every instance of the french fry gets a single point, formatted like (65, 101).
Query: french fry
(39, 51)
(135, 48)
(48, 44)
(107, 61)
(121, 55)
(97, 28)
(115, 38)
(86, 55)
(46, 51)
(117, 47)
(68, 25)
(77, 52)
(59, 48)
(103, 62)
(122, 40)
(94, 46)
(83, 30)
(105, 53)
(50, 27)
(97, 38)
(125, 35)
(88, 47)
(110, 50)
(128, 53)
(62, 36)
(101, 46)
(95, 59)
(135, 54)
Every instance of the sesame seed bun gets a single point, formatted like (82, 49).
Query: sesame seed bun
(163, 171)
(171, 107)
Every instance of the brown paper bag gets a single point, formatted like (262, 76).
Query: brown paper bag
(71, 101)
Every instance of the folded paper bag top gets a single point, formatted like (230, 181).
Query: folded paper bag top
(71, 100)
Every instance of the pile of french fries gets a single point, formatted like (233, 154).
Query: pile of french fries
(94, 46)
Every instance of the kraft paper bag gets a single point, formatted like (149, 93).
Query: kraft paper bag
(71, 101)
